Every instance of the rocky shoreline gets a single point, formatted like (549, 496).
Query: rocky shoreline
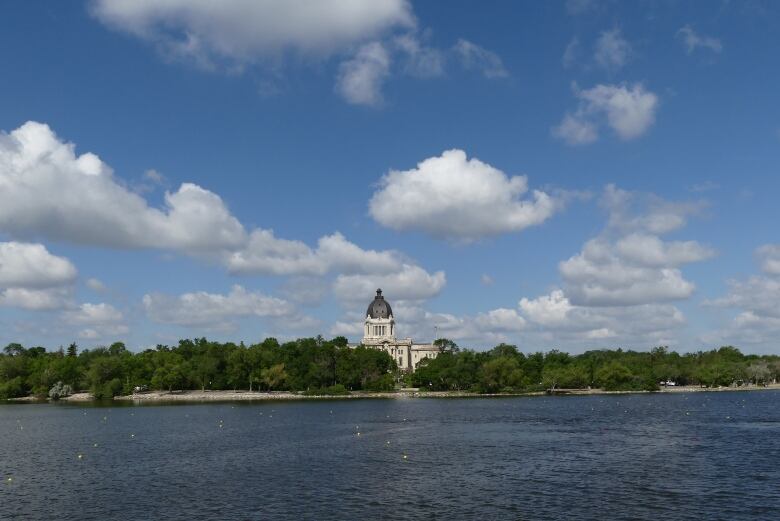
(233, 396)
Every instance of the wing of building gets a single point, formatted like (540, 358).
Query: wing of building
(379, 333)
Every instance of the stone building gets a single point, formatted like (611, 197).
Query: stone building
(379, 333)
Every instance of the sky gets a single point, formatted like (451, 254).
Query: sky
(564, 175)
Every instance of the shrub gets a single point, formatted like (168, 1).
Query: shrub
(383, 383)
(60, 390)
(333, 390)
(108, 390)
(13, 388)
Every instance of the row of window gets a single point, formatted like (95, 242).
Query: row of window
(381, 330)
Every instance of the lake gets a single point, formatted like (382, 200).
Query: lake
(647, 456)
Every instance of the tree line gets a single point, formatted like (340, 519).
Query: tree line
(319, 366)
(505, 368)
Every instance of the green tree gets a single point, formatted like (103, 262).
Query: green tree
(274, 377)
(499, 374)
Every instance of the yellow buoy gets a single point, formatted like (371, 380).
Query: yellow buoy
(406, 457)
(81, 456)
(9, 480)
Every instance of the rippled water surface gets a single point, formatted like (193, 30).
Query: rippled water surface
(656, 457)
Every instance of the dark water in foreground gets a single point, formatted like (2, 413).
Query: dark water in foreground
(657, 457)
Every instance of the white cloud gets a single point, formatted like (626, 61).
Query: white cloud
(410, 283)
(245, 31)
(651, 251)
(213, 311)
(617, 290)
(486, 280)
(572, 53)
(629, 264)
(612, 50)
(578, 7)
(454, 197)
(25, 265)
(34, 279)
(96, 320)
(352, 330)
(547, 310)
(769, 257)
(472, 56)
(757, 304)
(480, 330)
(93, 314)
(631, 212)
(501, 319)
(576, 130)
(558, 320)
(694, 41)
(360, 78)
(36, 299)
(268, 254)
(628, 111)
(96, 285)
(601, 276)
(421, 61)
(49, 191)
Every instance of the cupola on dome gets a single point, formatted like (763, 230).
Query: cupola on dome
(379, 307)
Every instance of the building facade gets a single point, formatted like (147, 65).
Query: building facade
(379, 333)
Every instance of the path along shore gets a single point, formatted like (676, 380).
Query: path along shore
(232, 396)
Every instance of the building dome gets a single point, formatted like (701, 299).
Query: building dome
(379, 308)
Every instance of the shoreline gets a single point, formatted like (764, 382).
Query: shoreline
(260, 396)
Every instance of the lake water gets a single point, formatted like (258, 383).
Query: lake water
(657, 457)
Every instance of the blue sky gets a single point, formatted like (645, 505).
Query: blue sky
(572, 174)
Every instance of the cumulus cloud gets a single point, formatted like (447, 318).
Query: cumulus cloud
(268, 254)
(421, 61)
(571, 53)
(600, 275)
(451, 196)
(555, 318)
(474, 57)
(578, 7)
(480, 330)
(50, 192)
(501, 319)
(631, 212)
(410, 283)
(36, 299)
(96, 285)
(620, 287)
(244, 31)
(628, 110)
(756, 301)
(25, 265)
(629, 263)
(576, 130)
(769, 257)
(214, 311)
(612, 51)
(360, 78)
(32, 278)
(93, 314)
(96, 320)
(693, 41)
